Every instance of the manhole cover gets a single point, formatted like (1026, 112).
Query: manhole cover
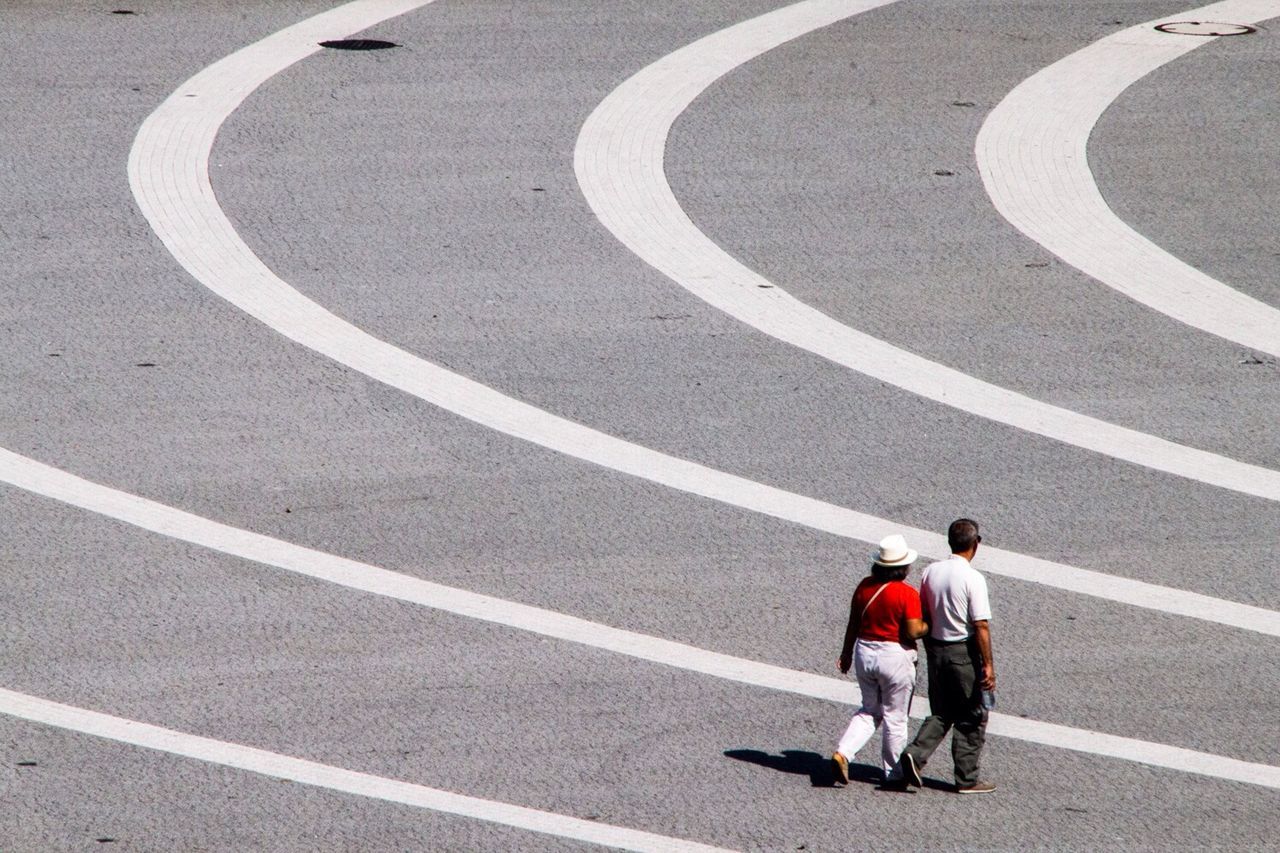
(358, 44)
(1205, 28)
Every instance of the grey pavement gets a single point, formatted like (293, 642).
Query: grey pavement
(427, 195)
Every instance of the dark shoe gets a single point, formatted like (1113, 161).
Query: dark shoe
(977, 788)
(911, 773)
(840, 767)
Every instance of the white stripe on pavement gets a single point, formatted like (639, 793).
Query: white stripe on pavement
(168, 171)
(619, 162)
(280, 766)
(186, 527)
(158, 518)
(1032, 153)
(1113, 746)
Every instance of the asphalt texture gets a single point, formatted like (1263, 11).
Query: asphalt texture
(427, 195)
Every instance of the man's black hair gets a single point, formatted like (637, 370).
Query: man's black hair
(963, 535)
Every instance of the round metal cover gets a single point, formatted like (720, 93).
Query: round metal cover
(358, 44)
(1205, 28)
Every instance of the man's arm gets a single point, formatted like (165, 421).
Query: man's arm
(982, 630)
(850, 634)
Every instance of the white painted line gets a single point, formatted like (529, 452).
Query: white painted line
(168, 521)
(168, 171)
(619, 162)
(1113, 746)
(217, 254)
(318, 775)
(1033, 158)
(158, 518)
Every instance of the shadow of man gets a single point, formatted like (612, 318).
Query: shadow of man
(803, 763)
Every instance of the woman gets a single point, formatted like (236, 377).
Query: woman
(885, 620)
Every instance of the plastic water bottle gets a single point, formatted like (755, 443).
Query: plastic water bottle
(988, 699)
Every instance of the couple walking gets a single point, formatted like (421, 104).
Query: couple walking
(951, 613)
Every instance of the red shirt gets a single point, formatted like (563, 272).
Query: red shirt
(884, 618)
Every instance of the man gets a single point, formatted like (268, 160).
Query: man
(954, 600)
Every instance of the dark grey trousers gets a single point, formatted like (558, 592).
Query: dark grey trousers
(954, 702)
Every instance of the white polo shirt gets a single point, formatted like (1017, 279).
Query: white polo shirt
(954, 596)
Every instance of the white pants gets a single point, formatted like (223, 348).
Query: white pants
(887, 675)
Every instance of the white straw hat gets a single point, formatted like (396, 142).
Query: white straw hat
(894, 552)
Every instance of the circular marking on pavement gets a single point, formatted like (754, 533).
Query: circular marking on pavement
(1205, 28)
(358, 44)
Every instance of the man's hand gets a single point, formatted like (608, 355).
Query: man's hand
(988, 680)
(844, 663)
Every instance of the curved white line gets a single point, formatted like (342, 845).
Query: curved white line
(314, 327)
(1033, 158)
(619, 162)
(158, 518)
(318, 775)
(149, 515)
(169, 174)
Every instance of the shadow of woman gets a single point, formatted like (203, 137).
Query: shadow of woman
(802, 763)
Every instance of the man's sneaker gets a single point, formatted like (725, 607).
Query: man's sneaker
(840, 767)
(977, 788)
(911, 773)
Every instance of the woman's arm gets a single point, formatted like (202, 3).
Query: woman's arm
(850, 634)
(915, 629)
